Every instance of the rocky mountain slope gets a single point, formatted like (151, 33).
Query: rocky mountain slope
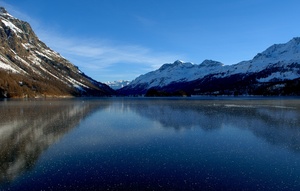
(28, 68)
(275, 71)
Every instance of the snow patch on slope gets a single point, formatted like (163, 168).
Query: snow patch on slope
(52, 53)
(288, 75)
(11, 26)
(7, 67)
(75, 83)
(41, 54)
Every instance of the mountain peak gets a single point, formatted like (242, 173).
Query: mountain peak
(182, 63)
(3, 10)
(4, 13)
(210, 63)
(177, 62)
(281, 52)
(295, 40)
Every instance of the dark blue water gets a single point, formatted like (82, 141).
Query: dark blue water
(150, 144)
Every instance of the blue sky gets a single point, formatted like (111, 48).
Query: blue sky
(122, 39)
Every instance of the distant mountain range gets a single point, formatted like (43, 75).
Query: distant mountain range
(28, 68)
(117, 84)
(275, 71)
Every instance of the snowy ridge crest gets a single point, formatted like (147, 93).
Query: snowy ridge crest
(284, 52)
(178, 71)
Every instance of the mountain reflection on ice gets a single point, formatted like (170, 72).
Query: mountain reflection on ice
(150, 144)
(277, 122)
(27, 128)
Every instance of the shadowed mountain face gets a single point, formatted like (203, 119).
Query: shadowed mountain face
(28, 68)
(29, 128)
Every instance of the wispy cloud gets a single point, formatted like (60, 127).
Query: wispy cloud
(99, 56)
(102, 54)
(105, 53)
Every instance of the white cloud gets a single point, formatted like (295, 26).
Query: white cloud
(105, 53)
(103, 60)
(97, 55)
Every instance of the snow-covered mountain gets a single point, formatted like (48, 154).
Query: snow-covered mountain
(179, 71)
(28, 68)
(117, 84)
(274, 71)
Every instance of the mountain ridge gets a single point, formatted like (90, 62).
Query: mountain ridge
(271, 72)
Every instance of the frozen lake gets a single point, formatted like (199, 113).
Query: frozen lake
(150, 144)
